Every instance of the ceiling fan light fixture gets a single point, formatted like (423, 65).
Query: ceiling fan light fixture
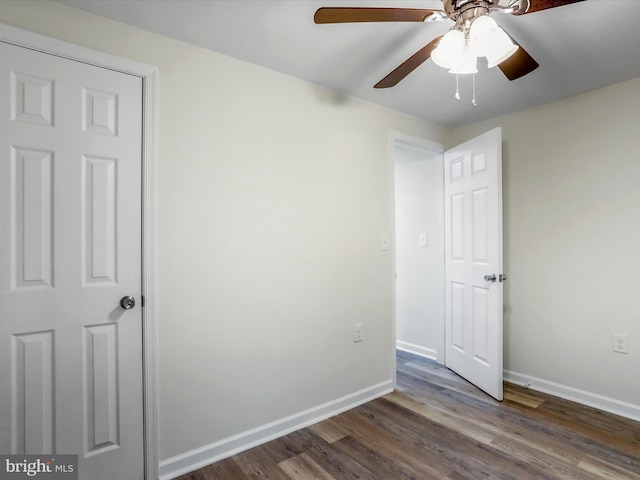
(459, 48)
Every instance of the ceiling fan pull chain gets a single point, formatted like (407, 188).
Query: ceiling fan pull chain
(473, 100)
(457, 95)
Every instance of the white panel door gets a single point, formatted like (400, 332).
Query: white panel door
(473, 261)
(70, 249)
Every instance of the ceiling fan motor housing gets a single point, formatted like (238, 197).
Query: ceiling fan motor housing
(461, 11)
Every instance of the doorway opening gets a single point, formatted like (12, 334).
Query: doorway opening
(448, 256)
(419, 248)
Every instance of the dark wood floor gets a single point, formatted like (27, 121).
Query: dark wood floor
(437, 426)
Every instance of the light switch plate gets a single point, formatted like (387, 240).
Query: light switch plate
(384, 242)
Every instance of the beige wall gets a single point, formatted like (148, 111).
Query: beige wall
(272, 195)
(572, 239)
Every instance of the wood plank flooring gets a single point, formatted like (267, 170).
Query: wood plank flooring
(437, 426)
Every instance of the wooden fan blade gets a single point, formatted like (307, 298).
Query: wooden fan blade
(358, 14)
(518, 65)
(537, 5)
(409, 65)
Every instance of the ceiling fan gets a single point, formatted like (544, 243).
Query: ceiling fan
(513, 60)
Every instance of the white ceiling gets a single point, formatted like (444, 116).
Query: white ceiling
(579, 47)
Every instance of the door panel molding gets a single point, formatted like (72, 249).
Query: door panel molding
(149, 76)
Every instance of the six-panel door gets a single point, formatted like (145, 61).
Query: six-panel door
(70, 236)
(473, 253)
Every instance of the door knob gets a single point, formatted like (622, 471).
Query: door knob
(127, 302)
(490, 278)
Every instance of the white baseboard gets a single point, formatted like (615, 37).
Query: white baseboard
(594, 400)
(425, 352)
(180, 464)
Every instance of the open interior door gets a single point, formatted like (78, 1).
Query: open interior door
(473, 261)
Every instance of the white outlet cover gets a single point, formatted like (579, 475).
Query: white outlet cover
(620, 343)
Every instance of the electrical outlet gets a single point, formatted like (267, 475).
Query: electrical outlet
(357, 334)
(620, 343)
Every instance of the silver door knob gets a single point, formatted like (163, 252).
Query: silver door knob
(127, 302)
(490, 278)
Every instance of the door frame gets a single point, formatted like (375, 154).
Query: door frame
(149, 76)
(397, 138)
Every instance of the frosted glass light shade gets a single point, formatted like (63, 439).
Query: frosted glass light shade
(500, 48)
(489, 40)
(480, 34)
(450, 48)
(466, 62)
